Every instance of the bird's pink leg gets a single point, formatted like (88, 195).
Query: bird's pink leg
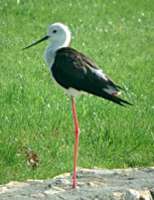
(76, 126)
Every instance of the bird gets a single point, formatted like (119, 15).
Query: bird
(76, 73)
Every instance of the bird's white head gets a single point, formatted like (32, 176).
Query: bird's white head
(59, 36)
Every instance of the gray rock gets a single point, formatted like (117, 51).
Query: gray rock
(93, 184)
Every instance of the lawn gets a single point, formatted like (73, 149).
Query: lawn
(35, 113)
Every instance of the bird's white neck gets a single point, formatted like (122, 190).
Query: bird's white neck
(54, 45)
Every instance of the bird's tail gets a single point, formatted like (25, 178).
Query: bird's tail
(117, 100)
(114, 97)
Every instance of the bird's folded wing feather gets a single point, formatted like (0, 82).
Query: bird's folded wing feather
(79, 72)
(72, 69)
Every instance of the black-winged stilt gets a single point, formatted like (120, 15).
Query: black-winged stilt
(75, 72)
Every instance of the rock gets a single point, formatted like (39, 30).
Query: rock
(93, 184)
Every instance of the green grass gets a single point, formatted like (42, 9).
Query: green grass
(34, 112)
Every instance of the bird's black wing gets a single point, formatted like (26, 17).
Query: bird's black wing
(72, 69)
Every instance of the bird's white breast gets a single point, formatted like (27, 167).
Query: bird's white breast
(49, 57)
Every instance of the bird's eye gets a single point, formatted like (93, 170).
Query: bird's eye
(54, 31)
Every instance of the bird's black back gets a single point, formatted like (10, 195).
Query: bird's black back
(72, 69)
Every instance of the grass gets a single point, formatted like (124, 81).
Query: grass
(35, 113)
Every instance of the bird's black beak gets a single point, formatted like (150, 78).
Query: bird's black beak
(37, 42)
